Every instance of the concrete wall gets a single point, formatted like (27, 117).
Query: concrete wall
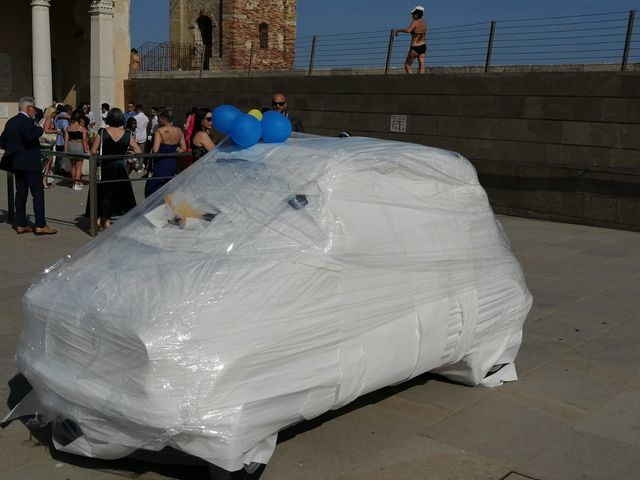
(560, 146)
(121, 50)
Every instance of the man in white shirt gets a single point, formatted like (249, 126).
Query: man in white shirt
(104, 109)
(141, 129)
(154, 121)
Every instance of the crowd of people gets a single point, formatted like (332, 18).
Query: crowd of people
(73, 134)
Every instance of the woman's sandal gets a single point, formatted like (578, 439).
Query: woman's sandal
(102, 226)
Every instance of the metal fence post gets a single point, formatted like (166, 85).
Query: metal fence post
(162, 60)
(93, 195)
(313, 54)
(627, 41)
(250, 60)
(202, 60)
(11, 207)
(492, 33)
(392, 34)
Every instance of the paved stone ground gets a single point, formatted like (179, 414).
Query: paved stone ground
(573, 415)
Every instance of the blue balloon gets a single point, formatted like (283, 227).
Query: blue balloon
(223, 117)
(276, 128)
(245, 130)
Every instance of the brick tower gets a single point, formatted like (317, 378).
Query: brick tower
(237, 34)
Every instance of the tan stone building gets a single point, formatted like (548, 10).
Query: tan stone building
(71, 50)
(237, 34)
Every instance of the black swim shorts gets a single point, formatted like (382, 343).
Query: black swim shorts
(420, 49)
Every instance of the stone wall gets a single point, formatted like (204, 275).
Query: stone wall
(549, 145)
(183, 27)
(239, 32)
(242, 40)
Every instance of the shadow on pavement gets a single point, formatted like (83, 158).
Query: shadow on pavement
(169, 462)
(368, 399)
(177, 465)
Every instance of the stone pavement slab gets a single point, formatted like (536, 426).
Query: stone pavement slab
(517, 476)
(499, 427)
(618, 419)
(573, 414)
(581, 456)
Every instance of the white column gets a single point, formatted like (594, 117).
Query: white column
(41, 46)
(102, 58)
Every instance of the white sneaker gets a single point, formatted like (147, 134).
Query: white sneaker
(77, 186)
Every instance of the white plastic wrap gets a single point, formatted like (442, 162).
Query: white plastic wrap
(332, 267)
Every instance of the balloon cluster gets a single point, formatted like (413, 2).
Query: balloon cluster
(246, 129)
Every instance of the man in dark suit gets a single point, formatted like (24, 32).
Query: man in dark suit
(22, 145)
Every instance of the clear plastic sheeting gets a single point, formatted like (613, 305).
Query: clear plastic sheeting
(265, 286)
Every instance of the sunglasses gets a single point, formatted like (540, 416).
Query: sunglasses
(208, 119)
(278, 104)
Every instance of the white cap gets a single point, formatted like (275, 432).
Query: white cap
(418, 8)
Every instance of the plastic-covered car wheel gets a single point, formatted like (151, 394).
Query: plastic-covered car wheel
(253, 471)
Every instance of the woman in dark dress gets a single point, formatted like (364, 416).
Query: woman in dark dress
(114, 198)
(200, 140)
(167, 139)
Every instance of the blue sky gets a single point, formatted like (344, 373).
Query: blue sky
(149, 18)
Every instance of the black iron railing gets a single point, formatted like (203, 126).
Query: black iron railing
(608, 38)
(92, 181)
(601, 38)
(169, 56)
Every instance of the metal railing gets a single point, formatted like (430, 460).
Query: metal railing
(579, 39)
(95, 160)
(169, 56)
(600, 38)
(92, 181)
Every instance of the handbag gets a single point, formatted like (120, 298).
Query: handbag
(48, 139)
(99, 169)
(6, 163)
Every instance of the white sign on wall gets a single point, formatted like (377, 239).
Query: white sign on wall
(4, 110)
(398, 123)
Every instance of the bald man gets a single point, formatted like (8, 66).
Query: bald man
(279, 104)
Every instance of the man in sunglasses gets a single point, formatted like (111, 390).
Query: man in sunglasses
(279, 104)
(130, 112)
